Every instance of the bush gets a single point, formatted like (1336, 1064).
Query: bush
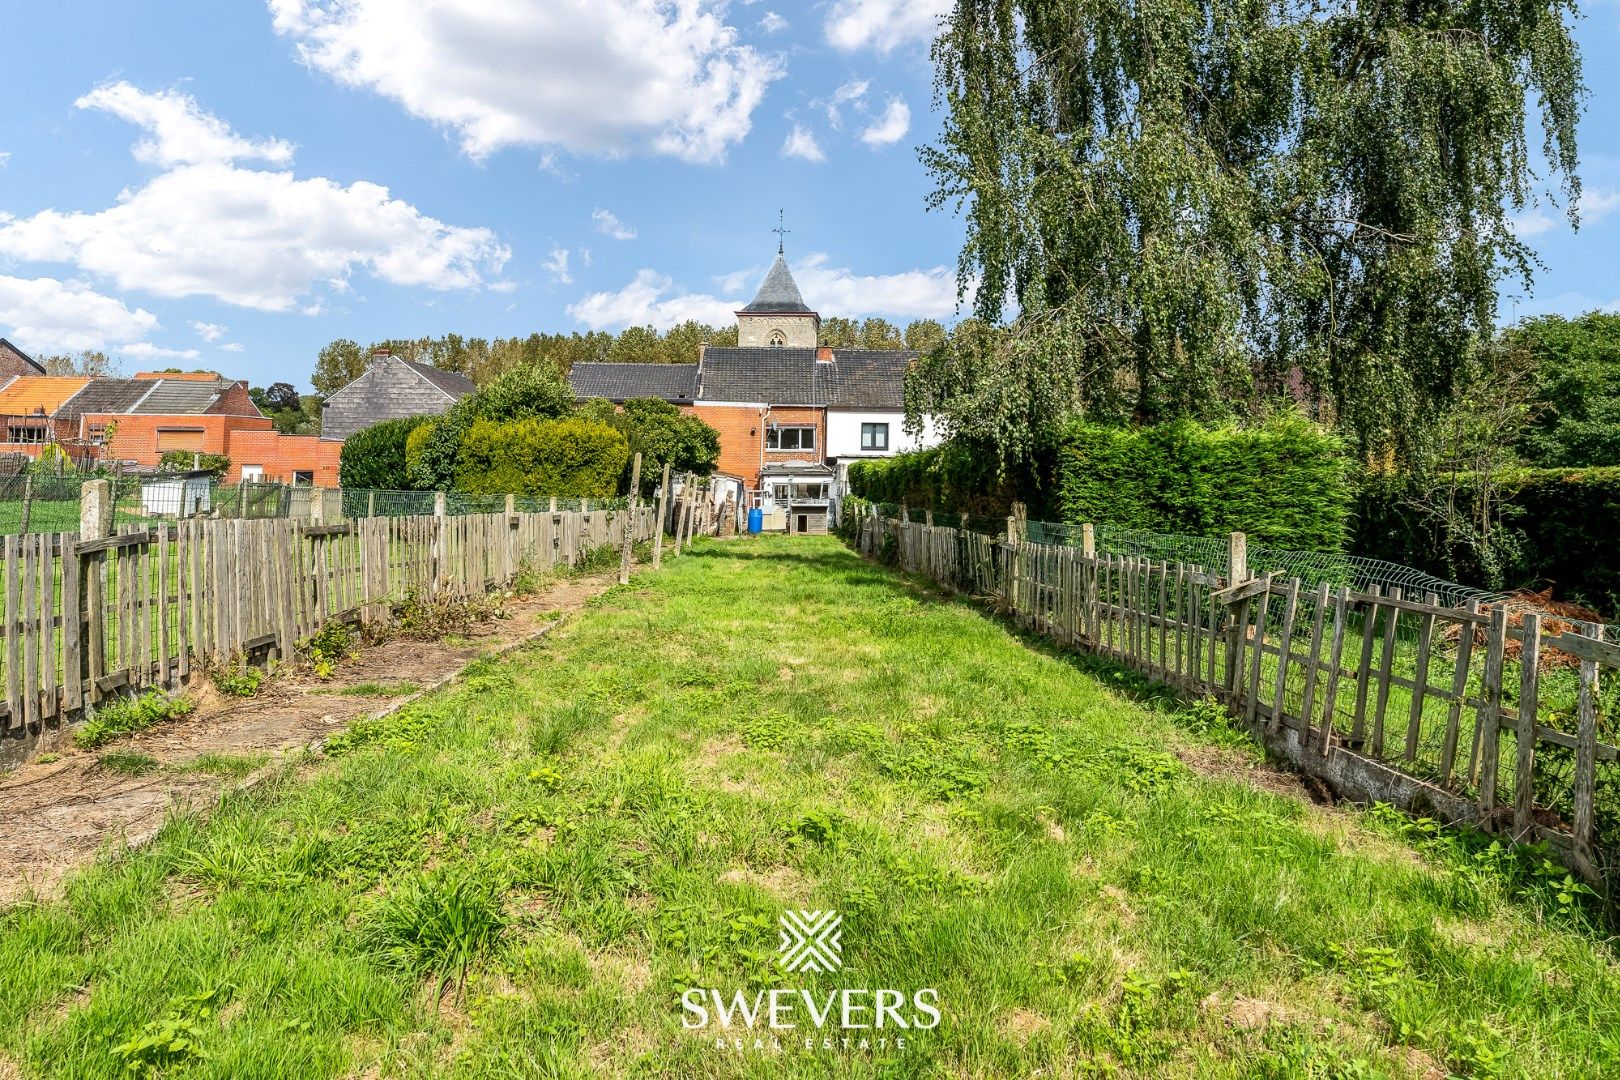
(531, 392)
(186, 460)
(374, 457)
(1561, 522)
(1284, 484)
(661, 433)
(572, 457)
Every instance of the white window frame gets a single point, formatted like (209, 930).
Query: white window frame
(773, 437)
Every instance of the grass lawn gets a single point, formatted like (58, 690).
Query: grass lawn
(522, 875)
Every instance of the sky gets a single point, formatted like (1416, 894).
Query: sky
(233, 185)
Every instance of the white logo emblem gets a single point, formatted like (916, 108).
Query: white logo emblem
(810, 941)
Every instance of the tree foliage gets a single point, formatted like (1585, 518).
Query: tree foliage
(374, 457)
(87, 363)
(661, 434)
(535, 391)
(1576, 389)
(572, 456)
(1195, 205)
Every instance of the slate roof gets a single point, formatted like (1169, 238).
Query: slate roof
(170, 397)
(779, 293)
(456, 385)
(621, 382)
(105, 396)
(867, 378)
(772, 375)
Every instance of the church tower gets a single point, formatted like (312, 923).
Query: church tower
(778, 315)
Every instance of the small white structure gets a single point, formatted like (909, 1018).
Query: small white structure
(177, 494)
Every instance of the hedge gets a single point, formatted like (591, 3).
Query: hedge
(374, 457)
(578, 457)
(1561, 524)
(1284, 484)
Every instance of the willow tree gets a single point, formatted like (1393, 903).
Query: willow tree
(1191, 206)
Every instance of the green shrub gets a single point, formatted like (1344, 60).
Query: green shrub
(186, 460)
(572, 457)
(374, 457)
(957, 476)
(122, 716)
(529, 392)
(1560, 524)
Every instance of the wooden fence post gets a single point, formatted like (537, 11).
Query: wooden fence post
(441, 542)
(1529, 693)
(371, 504)
(1088, 540)
(663, 512)
(630, 521)
(1237, 572)
(27, 502)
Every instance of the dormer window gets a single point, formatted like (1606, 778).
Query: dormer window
(777, 339)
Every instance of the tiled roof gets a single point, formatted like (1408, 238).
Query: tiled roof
(37, 393)
(774, 376)
(621, 382)
(867, 378)
(779, 292)
(457, 386)
(105, 396)
(170, 397)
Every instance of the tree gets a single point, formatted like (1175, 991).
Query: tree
(1194, 207)
(925, 335)
(877, 333)
(662, 434)
(374, 457)
(533, 392)
(1576, 382)
(336, 366)
(89, 364)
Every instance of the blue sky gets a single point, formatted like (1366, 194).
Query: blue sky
(233, 185)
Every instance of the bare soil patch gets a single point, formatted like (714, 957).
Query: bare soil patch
(59, 814)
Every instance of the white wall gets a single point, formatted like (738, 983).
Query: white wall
(844, 433)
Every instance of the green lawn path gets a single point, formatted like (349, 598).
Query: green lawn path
(519, 876)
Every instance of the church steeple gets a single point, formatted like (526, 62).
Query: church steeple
(778, 315)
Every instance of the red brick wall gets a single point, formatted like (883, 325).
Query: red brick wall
(282, 455)
(236, 402)
(742, 436)
(135, 438)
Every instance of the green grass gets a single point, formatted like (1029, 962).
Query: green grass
(377, 689)
(117, 717)
(521, 874)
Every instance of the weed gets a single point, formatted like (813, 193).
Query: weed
(241, 683)
(172, 1041)
(429, 618)
(435, 924)
(122, 716)
(46, 759)
(377, 689)
(818, 827)
(327, 646)
(230, 766)
(128, 762)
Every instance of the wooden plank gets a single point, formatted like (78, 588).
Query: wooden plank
(1483, 761)
(182, 598)
(1585, 785)
(1529, 699)
(1257, 648)
(1330, 697)
(1164, 630)
(1364, 678)
(1313, 662)
(1459, 689)
(1584, 648)
(1243, 590)
(132, 536)
(95, 568)
(30, 635)
(50, 706)
(1420, 689)
(72, 628)
(1386, 658)
(163, 610)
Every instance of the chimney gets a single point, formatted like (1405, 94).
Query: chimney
(824, 355)
(379, 356)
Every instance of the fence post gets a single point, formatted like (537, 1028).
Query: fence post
(553, 507)
(371, 504)
(441, 542)
(630, 520)
(95, 510)
(511, 505)
(663, 511)
(317, 506)
(1237, 571)
(27, 502)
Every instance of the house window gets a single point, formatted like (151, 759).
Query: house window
(778, 339)
(95, 434)
(790, 438)
(874, 436)
(781, 492)
(252, 474)
(303, 476)
(29, 434)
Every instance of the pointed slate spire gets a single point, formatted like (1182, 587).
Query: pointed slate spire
(779, 293)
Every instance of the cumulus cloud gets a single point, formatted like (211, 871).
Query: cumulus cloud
(179, 132)
(143, 350)
(883, 24)
(609, 224)
(801, 144)
(254, 238)
(233, 346)
(889, 128)
(611, 76)
(48, 315)
(557, 266)
(209, 332)
(773, 23)
(1595, 205)
(649, 301)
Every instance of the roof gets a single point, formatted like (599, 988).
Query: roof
(621, 382)
(457, 386)
(170, 397)
(772, 375)
(779, 293)
(105, 396)
(867, 378)
(7, 349)
(28, 394)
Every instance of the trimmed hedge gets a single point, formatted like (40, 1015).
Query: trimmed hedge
(574, 456)
(1564, 522)
(1285, 484)
(374, 457)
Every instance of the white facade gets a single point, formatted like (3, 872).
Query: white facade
(845, 430)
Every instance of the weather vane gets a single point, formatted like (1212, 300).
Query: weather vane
(781, 230)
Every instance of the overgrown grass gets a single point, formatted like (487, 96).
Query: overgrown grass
(377, 689)
(591, 825)
(123, 716)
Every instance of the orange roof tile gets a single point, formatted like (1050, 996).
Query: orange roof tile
(29, 394)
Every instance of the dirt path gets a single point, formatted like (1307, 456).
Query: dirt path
(57, 815)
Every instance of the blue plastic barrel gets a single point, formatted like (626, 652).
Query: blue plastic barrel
(756, 521)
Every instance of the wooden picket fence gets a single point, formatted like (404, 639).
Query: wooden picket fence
(1479, 715)
(85, 619)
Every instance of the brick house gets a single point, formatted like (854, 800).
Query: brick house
(791, 414)
(13, 361)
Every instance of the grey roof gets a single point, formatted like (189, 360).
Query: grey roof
(867, 378)
(779, 293)
(170, 397)
(773, 376)
(105, 396)
(457, 386)
(621, 382)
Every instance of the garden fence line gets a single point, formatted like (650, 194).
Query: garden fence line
(1472, 712)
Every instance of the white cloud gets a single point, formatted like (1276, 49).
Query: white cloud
(207, 331)
(889, 128)
(557, 266)
(142, 350)
(773, 23)
(233, 346)
(5, 158)
(47, 315)
(609, 76)
(257, 239)
(179, 131)
(585, 255)
(609, 224)
(852, 91)
(1595, 205)
(883, 24)
(644, 302)
(800, 143)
